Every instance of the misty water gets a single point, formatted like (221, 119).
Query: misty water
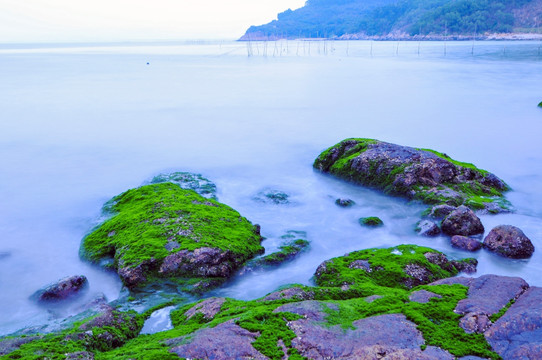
(82, 123)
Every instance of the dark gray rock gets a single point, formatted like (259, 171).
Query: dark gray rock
(509, 241)
(462, 221)
(345, 202)
(207, 262)
(61, 290)
(423, 296)
(466, 243)
(440, 211)
(427, 228)
(518, 333)
(208, 308)
(224, 341)
(488, 294)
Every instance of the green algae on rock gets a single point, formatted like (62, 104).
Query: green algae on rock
(416, 174)
(163, 231)
(371, 221)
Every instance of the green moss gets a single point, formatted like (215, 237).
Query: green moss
(149, 217)
(347, 149)
(286, 252)
(380, 267)
(503, 311)
(371, 221)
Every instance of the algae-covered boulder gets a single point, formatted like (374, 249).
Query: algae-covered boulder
(404, 266)
(163, 231)
(418, 174)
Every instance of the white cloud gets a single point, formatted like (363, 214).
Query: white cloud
(102, 20)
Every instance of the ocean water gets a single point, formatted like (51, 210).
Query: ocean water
(80, 123)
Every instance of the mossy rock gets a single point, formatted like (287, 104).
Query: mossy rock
(417, 174)
(189, 181)
(401, 267)
(163, 231)
(540, 104)
(371, 221)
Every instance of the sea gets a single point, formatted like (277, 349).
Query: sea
(81, 123)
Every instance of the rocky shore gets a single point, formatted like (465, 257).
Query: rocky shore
(403, 302)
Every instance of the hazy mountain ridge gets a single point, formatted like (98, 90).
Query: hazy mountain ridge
(360, 19)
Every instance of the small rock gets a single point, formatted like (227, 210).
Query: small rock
(427, 228)
(466, 243)
(290, 293)
(423, 296)
(467, 266)
(62, 289)
(208, 308)
(371, 221)
(361, 264)
(345, 202)
(509, 241)
(272, 196)
(462, 221)
(475, 323)
(441, 211)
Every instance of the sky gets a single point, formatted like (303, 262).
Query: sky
(117, 20)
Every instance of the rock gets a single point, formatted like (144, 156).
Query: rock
(214, 240)
(345, 202)
(272, 196)
(518, 333)
(423, 296)
(224, 341)
(404, 266)
(419, 174)
(427, 228)
(63, 289)
(11, 344)
(289, 294)
(540, 104)
(189, 181)
(466, 243)
(371, 221)
(488, 294)
(208, 308)
(287, 251)
(440, 211)
(509, 241)
(462, 221)
(475, 323)
(466, 265)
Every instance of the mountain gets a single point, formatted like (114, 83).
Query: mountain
(360, 19)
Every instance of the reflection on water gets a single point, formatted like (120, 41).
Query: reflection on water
(82, 124)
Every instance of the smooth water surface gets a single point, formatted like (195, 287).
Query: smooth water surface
(80, 124)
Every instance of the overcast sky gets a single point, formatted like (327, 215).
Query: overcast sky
(112, 20)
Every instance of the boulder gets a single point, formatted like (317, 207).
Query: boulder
(162, 231)
(419, 174)
(63, 289)
(466, 243)
(208, 308)
(427, 228)
(518, 333)
(462, 221)
(509, 241)
(224, 341)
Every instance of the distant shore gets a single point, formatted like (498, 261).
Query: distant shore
(258, 36)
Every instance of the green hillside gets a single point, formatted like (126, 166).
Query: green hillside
(374, 18)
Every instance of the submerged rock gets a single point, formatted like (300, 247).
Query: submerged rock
(418, 174)
(63, 289)
(163, 231)
(272, 196)
(427, 228)
(439, 212)
(345, 202)
(509, 241)
(466, 243)
(371, 221)
(462, 221)
(189, 181)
